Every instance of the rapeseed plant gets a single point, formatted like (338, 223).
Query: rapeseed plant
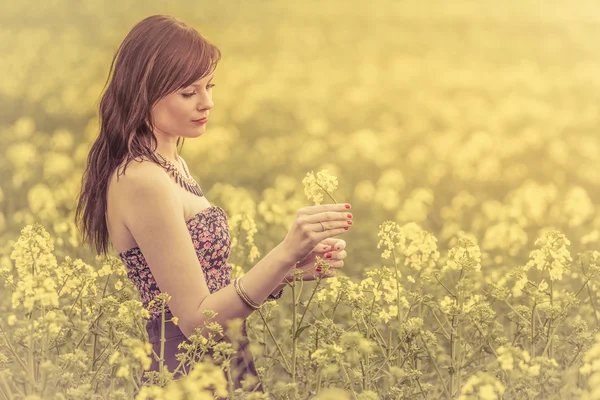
(456, 154)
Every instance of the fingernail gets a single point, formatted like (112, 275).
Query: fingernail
(346, 228)
(337, 248)
(325, 248)
(328, 255)
(318, 269)
(349, 222)
(349, 215)
(348, 206)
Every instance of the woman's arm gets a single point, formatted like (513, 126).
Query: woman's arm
(155, 218)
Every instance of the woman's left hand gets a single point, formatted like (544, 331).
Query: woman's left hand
(332, 246)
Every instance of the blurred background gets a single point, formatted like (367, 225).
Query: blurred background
(470, 116)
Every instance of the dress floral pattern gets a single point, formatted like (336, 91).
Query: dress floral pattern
(210, 235)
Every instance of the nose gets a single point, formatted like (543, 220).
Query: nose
(206, 102)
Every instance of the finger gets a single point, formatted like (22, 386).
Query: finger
(337, 255)
(329, 242)
(337, 264)
(339, 245)
(328, 216)
(325, 245)
(330, 245)
(313, 210)
(328, 233)
(330, 223)
(330, 257)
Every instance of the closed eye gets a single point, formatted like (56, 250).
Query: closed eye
(188, 95)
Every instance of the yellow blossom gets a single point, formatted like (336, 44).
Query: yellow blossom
(553, 256)
(316, 186)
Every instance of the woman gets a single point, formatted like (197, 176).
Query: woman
(170, 238)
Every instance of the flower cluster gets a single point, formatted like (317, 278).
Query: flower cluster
(482, 386)
(553, 256)
(465, 255)
(316, 186)
(420, 247)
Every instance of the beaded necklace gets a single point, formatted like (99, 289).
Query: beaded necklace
(187, 182)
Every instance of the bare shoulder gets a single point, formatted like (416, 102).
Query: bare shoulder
(140, 187)
(136, 169)
(137, 189)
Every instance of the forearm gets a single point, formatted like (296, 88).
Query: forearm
(259, 282)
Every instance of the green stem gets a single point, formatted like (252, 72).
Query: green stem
(294, 327)
(446, 334)
(274, 340)
(437, 370)
(308, 304)
(326, 192)
(95, 333)
(13, 351)
(102, 363)
(533, 331)
(516, 312)
(161, 358)
(386, 360)
(230, 382)
(318, 388)
(368, 366)
(444, 286)
(506, 375)
(337, 302)
(550, 329)
(586, 285)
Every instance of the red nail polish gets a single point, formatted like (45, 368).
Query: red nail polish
(349, 222)
(328, 255)
(348, 206)
(318, 269)
(349, 215)
(346, 228)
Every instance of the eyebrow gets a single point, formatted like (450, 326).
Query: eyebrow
(198, 85)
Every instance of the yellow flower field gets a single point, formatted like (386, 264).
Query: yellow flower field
(464, 134)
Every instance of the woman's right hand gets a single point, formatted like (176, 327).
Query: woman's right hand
(306, 231)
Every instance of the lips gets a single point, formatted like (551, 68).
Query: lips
(199, 119)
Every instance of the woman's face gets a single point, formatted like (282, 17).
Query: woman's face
(175, 113)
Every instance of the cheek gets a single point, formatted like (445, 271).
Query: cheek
(171, 115)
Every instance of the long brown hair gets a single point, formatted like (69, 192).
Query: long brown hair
(159, 56)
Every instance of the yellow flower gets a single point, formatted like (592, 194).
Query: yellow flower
(505, 359)
(482, 386)
(316, 186)
(420, 247)
(553, 256)
(465, 255)
(122, 372)
(391, 237)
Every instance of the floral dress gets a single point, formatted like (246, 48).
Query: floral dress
(209, 230)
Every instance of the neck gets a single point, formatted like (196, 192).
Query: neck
(174, 158)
